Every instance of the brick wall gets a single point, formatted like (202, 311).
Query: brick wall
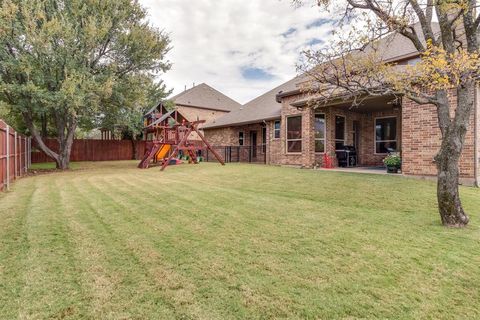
(229, 136)
(422, 140)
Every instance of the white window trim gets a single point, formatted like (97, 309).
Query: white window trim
(279, 130)
(243, 138)
(286, 133)
(375, 134)
(324, 132)
(344, 129)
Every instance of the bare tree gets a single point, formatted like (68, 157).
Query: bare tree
(446, 35)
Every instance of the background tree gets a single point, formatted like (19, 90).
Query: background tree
(62, 59)
(352, 66)
(123, 112)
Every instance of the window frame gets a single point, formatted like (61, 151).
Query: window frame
(279, 130)
(286, 134)
(242, 138)
(324, 131)
(375, 134)
(344, 130)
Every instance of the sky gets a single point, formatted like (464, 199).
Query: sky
(242, 48)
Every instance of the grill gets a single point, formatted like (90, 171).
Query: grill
(347, 156)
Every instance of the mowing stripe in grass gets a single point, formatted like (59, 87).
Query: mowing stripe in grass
(135, 294)
(130, 225)
(107, 267)
(13, 247)
(120, 227)
(50, 265)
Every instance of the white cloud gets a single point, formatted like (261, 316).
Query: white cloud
(214, 41)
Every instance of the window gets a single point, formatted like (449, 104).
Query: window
(276, 129)
(294, 134)
(320, 132)
(240, 138)
(385, 135)
(339, 132)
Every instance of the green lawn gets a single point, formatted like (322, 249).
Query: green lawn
(242, 241)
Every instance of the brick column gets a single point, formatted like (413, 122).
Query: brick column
(308, 152)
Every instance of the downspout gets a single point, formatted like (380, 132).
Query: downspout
(476, 138)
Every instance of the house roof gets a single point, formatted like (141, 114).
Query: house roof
(264, 107)
(205, 97)
(393, 47)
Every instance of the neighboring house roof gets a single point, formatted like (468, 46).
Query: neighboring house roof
(205, 97)
(264, 107)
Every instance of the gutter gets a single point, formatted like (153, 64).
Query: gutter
(476, 138)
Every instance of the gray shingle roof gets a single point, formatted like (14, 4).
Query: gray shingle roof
(205, 97)
(264, 107)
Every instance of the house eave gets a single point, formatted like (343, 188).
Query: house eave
(238, 124)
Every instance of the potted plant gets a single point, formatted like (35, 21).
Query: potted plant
(393, 162)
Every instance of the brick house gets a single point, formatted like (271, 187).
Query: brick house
(290, 134)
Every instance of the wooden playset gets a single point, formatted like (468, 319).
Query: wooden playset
(170, 134)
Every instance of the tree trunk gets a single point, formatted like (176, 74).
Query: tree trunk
(134, 148)
(453, 138)
(448, 196)
(62, 158)
(65, 144)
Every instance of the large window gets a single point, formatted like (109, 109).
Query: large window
(320, 132)
(294, 134)
(240, 138)
(385, 135)
(276, 129)
(339, 132)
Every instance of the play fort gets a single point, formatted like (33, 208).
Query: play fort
(169, 134)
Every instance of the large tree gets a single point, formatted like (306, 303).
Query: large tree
(445, 33)
(62, 60)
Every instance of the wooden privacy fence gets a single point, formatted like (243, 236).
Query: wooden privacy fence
(94, 150)
(14, 155)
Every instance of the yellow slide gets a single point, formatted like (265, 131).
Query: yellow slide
(163, 151)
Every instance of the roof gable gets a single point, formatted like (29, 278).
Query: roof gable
(205, 97)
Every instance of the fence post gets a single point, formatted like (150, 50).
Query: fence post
(25, 157)
(29, 152)
(15, 160)
(8, 157)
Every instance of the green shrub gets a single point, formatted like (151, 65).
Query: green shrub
(393, 160)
